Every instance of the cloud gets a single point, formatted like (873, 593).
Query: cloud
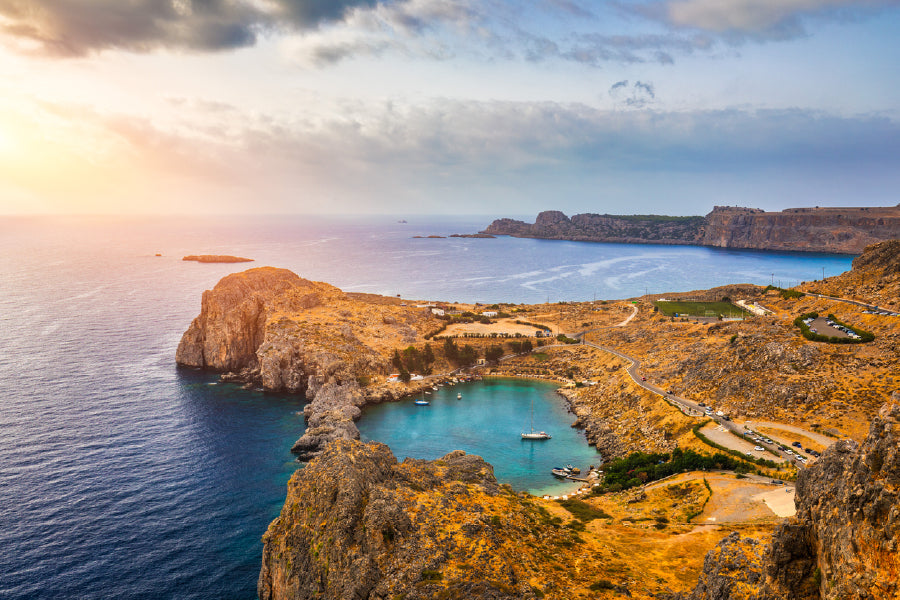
(76, 27)
(460, 154)
(778, 19)
(638, 95)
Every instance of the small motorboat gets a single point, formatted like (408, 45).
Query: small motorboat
(560, 472)
(536, 435)
(459, 396)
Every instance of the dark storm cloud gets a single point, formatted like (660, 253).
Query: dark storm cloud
(79, 27)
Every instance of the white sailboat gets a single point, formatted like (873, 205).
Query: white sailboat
(535, 435)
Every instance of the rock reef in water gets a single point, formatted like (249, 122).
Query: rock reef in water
(216, 258)
(837, 230)
(272, 328)
(356, 524)
(843, 542)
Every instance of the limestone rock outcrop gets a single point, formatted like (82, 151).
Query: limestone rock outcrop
(356, 524)
(554, 225)
(271, 328)
(839, 230)
(836, 230)
(843, 542)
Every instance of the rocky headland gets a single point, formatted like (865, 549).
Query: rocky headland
(271, 328)
(834, 230)
(216, 258)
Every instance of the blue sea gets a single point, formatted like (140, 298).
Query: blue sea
(122, 476)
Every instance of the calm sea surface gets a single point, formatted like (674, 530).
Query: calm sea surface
(124, 477)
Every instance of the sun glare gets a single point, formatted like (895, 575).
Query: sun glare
(7, 143)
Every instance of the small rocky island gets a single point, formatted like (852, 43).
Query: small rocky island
(216, 258)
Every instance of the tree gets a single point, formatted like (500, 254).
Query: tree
(428, 355)
(404, 375)
(412, 359)
(398, 364)
(493, 353)
(451, 352)
(467, 356)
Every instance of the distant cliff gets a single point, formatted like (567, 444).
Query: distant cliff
(834, 230)
(554, 225)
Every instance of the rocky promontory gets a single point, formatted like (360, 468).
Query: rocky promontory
(271, 328)
(833, 230)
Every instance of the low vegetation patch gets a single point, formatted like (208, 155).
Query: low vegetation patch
(582, 510)
(786, 294)
(639, 468)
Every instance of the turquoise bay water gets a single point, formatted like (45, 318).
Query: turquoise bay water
(488, 421)
(125, 477)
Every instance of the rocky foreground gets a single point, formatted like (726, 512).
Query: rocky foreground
(843, 543)
(356, 524)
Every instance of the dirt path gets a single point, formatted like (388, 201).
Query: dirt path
(630, 317)
(739, 500)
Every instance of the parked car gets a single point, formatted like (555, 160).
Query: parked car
(759, 448)
(797, 445)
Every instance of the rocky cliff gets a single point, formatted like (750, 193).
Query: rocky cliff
(839, 230)
(356, 524)
(554, 225)
(843, 542)
(835, 230)
(271, 328)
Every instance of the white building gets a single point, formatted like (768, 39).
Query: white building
(437, 311)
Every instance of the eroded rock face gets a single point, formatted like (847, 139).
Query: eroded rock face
(843, 542)
(356, 524)
(883, 255)
(232, 321)
(271, 328)
(842, 230)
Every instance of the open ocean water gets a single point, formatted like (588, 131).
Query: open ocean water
(124, 477)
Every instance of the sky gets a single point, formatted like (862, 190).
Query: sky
(495, 107)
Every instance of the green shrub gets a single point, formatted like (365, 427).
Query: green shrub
(582, 510)
(602, 584)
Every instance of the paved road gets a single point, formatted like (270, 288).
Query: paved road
(857, 303)
(686, 406)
